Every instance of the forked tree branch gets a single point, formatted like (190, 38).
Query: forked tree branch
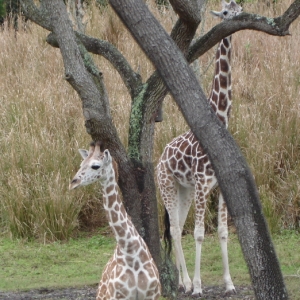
(131, 79)
(274, 26)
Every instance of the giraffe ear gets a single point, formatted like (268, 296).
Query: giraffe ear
(107, 157)
(84, 153)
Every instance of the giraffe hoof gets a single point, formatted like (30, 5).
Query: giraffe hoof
(181, 289)
(196, 295)
(230, 292)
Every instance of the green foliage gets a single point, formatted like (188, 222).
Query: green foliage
(2, 9)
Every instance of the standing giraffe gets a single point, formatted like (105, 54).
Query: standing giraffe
(131, 272)
(184, 172)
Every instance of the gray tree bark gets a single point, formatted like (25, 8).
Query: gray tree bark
(136, 169)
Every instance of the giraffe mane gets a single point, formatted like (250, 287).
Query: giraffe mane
(116, 169)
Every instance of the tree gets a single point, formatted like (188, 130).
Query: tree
(136, 169)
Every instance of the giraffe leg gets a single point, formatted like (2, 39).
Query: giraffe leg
(170, 193)
(176, 226)
(200, 203)
(223, 236)
(185, 283)
(185, 198)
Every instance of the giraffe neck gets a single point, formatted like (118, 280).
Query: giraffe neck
(126, 235)
(220, 97)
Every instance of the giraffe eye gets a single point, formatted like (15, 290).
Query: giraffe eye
(225, 13)
(95, 167)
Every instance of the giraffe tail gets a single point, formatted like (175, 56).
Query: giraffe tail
(167, 234)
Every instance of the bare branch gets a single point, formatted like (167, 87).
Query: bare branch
(131, 79)
(274, 26)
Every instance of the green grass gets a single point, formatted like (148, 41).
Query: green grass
(42, 124)
(79, 262)
(30, 265)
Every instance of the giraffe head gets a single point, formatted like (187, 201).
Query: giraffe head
(229, 10)
(96, 166)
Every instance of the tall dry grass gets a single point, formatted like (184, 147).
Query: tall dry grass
(42, 125)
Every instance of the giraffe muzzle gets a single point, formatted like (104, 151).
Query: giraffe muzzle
(74, 183)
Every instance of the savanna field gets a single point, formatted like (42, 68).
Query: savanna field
(42, 127)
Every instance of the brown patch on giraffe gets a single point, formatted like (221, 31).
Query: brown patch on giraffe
(123, 211)
(200, 166)
(122, 216)
(109, 189)
(224, 65)
(133, 246)
(142, 280)
(117, 207)
(169, 152)
(201, 194)
(216, 85)
(112, 199)
(223, 81)
(226, 42)
(122, 244)
(144, 256)
(188, 150)
(223, 103)
(136, 265)
(114, 217)
(205, 159)
(181, 166)
(223, 50)
(173, 163)
(217, 69)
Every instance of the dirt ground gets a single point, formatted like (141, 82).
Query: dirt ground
(89, 293)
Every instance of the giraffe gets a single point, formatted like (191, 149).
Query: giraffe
(184, 173)
(131, 272)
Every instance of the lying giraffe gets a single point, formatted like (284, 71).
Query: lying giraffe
(131, 272)
(184, 172)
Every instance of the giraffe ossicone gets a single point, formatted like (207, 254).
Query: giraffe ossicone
(131, 272)
(184, 173)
